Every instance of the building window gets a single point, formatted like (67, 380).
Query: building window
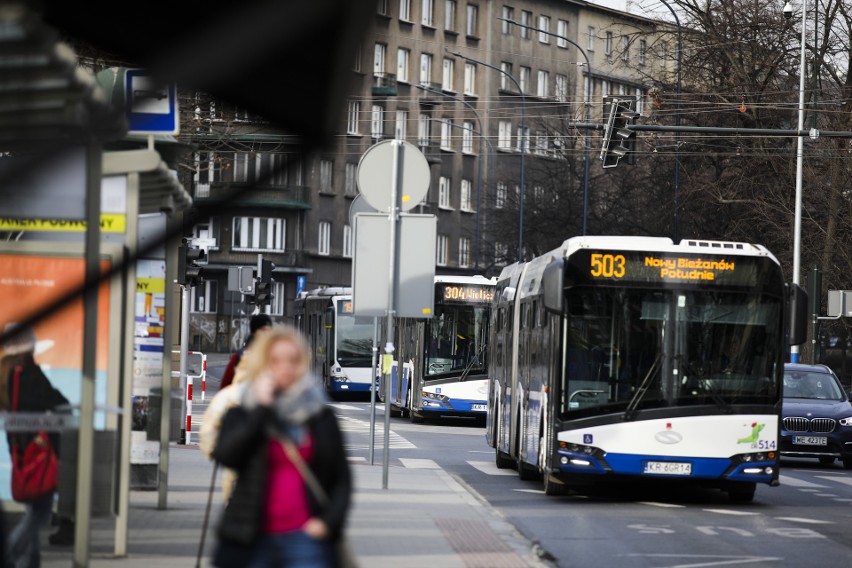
(204, 297)
(561, 90)
(625, 48)
(379, 59)
(208, 230)
(352, 117)
(356, 65)
(538, 193)
(326, 167)
(604, 88)
(449, 71)
(508, 14)
(500, 197)
(622, 89)
(642, 49)
(544, 29)
(401, 130)
(524, 79)
(347, 241)
(402, 56)
(470, 79)
(592, 36)
(324, 242)
(541, 143)
(428, 9)
(542, 85)
(242, 161)
(444, 192)
(562, 32)
(640, 101)
(447, 134)
(424, 133)
(467, 137)
(377, 122)
(504, 135)
(472, 20)
(501, 253)
(405, 10)
(350, 187)
(505, 82)
(382, 7)
(663, 49)
(464, 197)
(259, 234)
(450, 15)
(279, 299)
(608, 44)
(523, 139)
(443, 250)
(526, 20)
(425, 68)
(464, 252)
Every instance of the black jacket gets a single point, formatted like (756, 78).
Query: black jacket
(35, 394)
(242, 446)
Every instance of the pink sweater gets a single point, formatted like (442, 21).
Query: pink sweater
(287, 508)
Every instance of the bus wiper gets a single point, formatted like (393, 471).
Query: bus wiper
(705, 384)
(474, 359)
(630, 411)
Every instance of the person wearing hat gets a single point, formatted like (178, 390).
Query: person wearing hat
(35, 394)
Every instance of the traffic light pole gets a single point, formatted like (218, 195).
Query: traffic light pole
(184, 348)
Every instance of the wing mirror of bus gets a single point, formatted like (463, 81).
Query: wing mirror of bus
(553, 285)
(797, 308)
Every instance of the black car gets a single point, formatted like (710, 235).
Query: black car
(816, 416)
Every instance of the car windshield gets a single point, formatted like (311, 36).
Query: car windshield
(810, 385)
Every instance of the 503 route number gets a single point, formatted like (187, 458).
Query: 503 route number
(607, 265)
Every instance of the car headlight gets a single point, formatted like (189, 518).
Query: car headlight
(846, 421)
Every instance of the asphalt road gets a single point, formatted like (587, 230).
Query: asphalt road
(805, 522)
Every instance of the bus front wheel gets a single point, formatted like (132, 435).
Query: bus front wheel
(503, 461)
(742, 493)
(553, 487)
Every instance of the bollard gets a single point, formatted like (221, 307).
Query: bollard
(203, 375)
(188, 408)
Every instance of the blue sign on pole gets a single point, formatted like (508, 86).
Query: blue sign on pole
(300, 284)
(151, 106)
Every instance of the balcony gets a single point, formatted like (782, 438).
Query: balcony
(430, 94)
(287, 197)
(432, 153)
(384, 85)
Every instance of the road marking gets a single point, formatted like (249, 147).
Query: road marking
(824, 495)
(731, 512)
(339, 406)
(711, 560)
(358, 434)
(663, 505)
(536, 491)
(809, 490)
(356, 459)
(414, 463)
(843, 480)
(489, 468)
(480, 451)
(804, 520)
(796, 482)
(843, 500)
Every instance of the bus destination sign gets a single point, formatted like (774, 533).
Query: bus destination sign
(655, 267)
(473, 293)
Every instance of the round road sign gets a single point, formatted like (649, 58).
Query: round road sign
(374, 175)
(359, 205)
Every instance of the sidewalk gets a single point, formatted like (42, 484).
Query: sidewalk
(427, 518)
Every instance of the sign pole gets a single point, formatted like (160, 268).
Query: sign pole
(373, 391)
(396, 174)
(184, 347)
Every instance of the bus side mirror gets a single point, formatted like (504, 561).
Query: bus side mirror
(553, 284)
(797, 308)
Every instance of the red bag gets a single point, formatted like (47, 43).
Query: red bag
(34, 475)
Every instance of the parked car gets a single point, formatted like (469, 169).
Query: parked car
(816, 415)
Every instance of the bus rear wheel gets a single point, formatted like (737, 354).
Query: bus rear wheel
(503, 461)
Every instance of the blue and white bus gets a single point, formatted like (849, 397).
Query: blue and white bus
(341, 343)
(445, 358)
(622, 357)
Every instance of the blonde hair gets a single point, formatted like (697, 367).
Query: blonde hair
(256, 357)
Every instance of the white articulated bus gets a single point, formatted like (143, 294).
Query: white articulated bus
(341, 343)
(445, 357)
(627, 357)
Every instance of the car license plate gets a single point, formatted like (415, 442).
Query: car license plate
(668, 468)
(810, 440)
(479, 407)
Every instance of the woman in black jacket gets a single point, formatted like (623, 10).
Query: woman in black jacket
(274, 518)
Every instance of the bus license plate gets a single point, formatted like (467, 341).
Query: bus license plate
(810, 440)
(479, 407)
(668, 468)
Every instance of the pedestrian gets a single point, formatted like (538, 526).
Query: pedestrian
(292, 494)
(257, 322)
(19, 372)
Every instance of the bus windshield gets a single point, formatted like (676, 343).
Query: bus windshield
(631, 349)
(354, 339)
(456, 339)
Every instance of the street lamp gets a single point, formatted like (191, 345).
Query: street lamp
(479, 161)
(800, 159)
(522, 141)
(588, 114)
(675, 235)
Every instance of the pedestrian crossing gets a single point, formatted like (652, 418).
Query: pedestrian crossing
(357, 435)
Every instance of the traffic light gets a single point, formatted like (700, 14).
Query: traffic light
(619, 140)
(263, 287)
(190, 260)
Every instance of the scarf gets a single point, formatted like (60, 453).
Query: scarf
(292, 408)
